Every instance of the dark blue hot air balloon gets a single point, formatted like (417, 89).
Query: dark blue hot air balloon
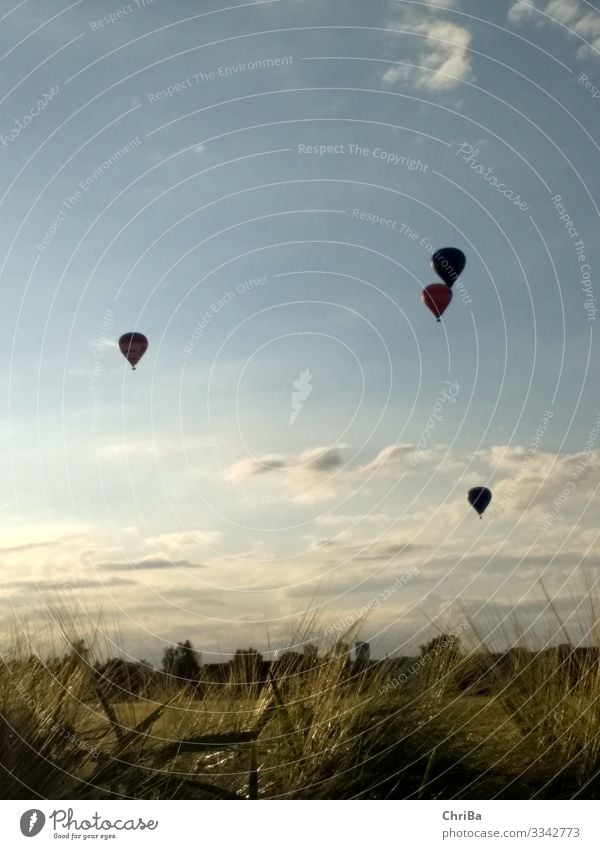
(479, 499)
(448, 264)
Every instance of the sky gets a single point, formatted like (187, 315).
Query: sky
(258, 187)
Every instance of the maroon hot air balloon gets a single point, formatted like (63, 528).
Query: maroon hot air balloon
(436, 298)
(133, 347)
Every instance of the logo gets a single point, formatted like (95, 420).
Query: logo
(303, 389)
(32, 822)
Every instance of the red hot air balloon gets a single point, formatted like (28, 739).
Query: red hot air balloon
(436, 298)
(133, 347)
(479, 499)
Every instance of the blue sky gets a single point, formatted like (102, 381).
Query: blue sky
(198, 174)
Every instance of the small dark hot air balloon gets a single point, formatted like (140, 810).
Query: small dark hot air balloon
(133, 347)
(448, 264)
(479, 499)
(436, 298)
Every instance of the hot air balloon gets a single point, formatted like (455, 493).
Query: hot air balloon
(133, 347)
(448, 264)
(436, 298)
(479, 498)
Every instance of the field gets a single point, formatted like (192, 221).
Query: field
(452, 725)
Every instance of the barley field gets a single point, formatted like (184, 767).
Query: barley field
(452, 724)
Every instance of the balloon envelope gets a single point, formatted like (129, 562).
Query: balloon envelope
(479, 498)
(133, 347)
(448, 264)
(436, 298)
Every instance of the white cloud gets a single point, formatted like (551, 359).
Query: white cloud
(319, 460)
(438, 533)
(573, 14)
(341, 519)
(312, 479)
(251, 467)
(307, 475)
(392, 457)
(531, 482)
(182, 539)
(521, 480)
(406, 457)
(521, 11)
(566, 11)
(149, 564)
(50, 534)
(445, 59)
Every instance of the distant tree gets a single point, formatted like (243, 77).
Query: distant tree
(476, 675)
(446, 646)
(167, 663)
(311, 653)
(288, 663)
(440, 659)
(362, 652)
(341, 650)
(78, 652)
(181, 661)
(247, 666)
